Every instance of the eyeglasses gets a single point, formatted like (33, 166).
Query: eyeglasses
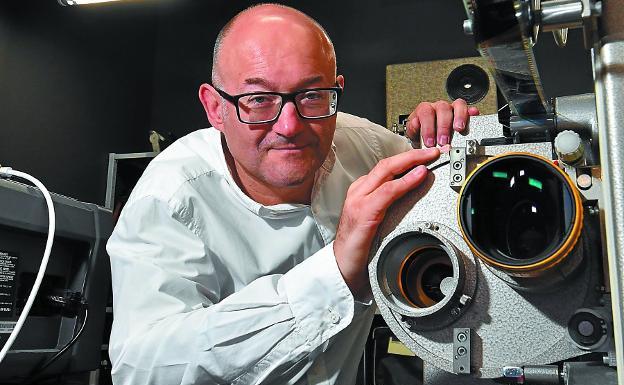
(266, 107)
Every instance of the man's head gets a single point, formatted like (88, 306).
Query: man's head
(272, 48)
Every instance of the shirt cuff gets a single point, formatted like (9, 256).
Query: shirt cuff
(320, 300)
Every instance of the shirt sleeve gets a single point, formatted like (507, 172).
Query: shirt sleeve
(171, 327)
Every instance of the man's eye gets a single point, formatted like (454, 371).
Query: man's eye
(258, 99)
(312, 95)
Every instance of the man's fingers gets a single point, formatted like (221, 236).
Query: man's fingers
(473, 111)
(387, 169)
(460, 115)
(390, 191)
(413, 126)
(427, 116)
(444, 120)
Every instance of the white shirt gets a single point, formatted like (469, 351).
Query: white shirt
(211, 287)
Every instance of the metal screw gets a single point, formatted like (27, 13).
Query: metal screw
(427, 225)
(584, 181)
(457, 165)
(457, 178)
(455, 311)
(461, 351)
(461, 337)
(513, 372)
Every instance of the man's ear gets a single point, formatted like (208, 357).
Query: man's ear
(211, 100)
(340, 81)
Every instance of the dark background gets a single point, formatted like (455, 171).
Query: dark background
(79, 82)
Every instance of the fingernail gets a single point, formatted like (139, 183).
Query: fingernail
(418, 171)
(443, 140)
(429, 142)
(459, 125)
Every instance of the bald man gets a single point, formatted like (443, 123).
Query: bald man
(241, 254)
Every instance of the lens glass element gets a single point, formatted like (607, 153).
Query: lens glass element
(517, 209)
(422, 276)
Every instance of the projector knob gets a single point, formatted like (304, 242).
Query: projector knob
(569, 147)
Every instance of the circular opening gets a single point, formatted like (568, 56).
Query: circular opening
(469, 82)
(519, 212)
(417, 271)
(587, 329)
(424, 276)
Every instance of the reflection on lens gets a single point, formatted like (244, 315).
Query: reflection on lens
(422, 274)
(520, 212)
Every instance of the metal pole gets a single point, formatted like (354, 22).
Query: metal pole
(609, 80)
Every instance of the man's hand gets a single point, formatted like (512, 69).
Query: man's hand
(366, 203)
(437, 121)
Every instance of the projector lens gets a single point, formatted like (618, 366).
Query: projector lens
(519, 212)
(422, 274)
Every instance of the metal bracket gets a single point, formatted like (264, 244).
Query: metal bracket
(461, 350)
(457, 167)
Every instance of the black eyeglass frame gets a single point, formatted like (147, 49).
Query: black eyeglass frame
(286, 97)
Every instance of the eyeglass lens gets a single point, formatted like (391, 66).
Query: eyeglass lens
(264, 107)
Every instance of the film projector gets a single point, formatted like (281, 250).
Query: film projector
(507, 265)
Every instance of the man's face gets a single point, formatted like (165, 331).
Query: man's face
(274, 56)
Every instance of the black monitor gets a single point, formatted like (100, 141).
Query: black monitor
(77, 278)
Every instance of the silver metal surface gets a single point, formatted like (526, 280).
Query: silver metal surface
(458, 166)
(584, 373)
(462, 351)
(609, 76)
(513, 372)
(557, 14)
(561, 37)
(461, 289)
(468, 27)
(578, 113)
(111, 181)
(508, 326)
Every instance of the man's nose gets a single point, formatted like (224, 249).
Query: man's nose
(289, 123)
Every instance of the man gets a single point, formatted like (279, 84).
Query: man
(225, 268)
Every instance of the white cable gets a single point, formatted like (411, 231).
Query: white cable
(6, 172)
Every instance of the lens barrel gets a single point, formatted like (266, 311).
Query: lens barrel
(520, 213)
(424, 277)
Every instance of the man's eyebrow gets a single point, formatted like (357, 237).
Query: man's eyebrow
(306, 82)
(260, 82)
(310, 81)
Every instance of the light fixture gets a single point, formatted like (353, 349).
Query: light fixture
(81, 2)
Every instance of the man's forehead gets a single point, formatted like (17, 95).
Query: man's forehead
(274, 28)
(260, 48)
(272, 14)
